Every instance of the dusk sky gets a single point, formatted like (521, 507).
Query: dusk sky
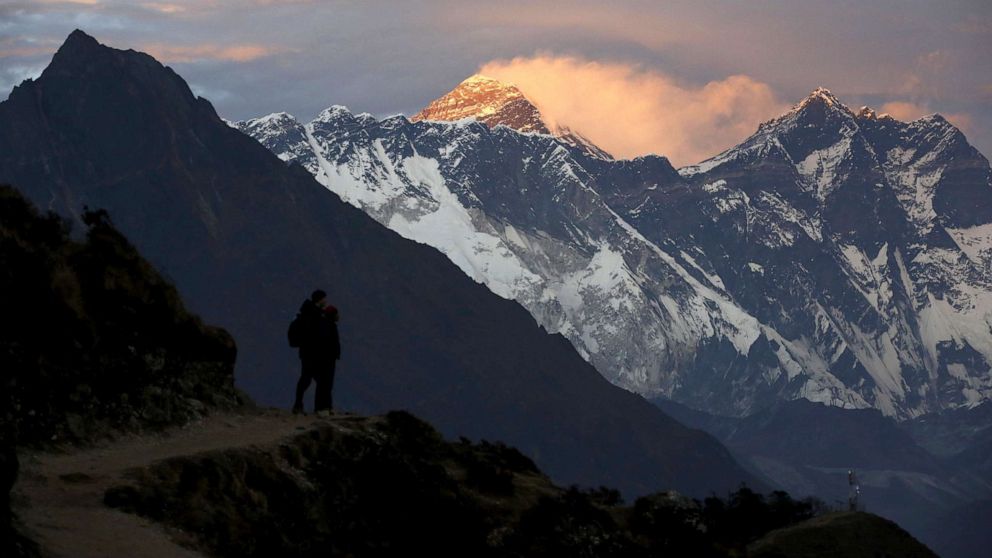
(681, 79)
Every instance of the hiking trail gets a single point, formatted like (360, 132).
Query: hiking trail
(59, 494)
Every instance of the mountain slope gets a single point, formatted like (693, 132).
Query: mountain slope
(93, 340)
(94, 343)
(245, 237)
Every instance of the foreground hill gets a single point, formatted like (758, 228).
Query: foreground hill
(840, 535)
(272, 484)
(245, 238)
(93, 343)
(93, 339)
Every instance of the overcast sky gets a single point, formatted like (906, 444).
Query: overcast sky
(683, 79)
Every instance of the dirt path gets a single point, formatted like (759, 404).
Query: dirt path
(59, 497)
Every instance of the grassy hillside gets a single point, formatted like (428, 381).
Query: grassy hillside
(93, 339)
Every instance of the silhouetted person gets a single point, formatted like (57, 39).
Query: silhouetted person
(320, 349)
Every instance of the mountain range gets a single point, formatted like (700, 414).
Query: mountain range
(836, 255)
(245, 238)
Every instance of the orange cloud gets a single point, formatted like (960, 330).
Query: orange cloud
(15, 47)
(198, 53)
(25, 51)
(165, 8)
(962, 120)
(906, 111)
(630, 111)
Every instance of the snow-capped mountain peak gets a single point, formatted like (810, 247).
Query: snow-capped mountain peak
(496, 103)
(904, 210)
(280, 127)
(335, 113)
(868, 113)
(488, 100)
(822, 95)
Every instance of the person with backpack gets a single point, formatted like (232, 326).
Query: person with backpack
(315, 332)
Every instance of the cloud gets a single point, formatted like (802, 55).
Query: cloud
(26, 47)
(929, 76)
(907, 111)
(904, 110)
(963, 121)
(164, 8)
(24, 51)
(629, 110)
(203, 52)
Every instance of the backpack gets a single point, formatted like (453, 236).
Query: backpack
(295, 332)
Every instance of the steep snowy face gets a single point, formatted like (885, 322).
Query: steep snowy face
(862, 240)
(495, 103)
(514, 211)
(939, 178)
